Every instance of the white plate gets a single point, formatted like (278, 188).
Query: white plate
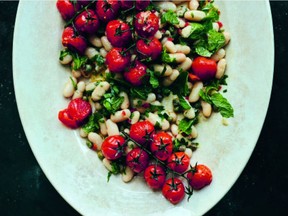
(76, 172)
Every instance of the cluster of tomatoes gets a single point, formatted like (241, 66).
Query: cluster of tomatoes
(154, 156)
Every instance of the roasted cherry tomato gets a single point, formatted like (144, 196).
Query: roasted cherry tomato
(161, 145)
(142, 4)
(76, 114)
(149, 48)
(199, 177)
(113, 147)
(107, 9)
(118, 33)
(178, 161)
(139, 4)
(204, 68)
(73, 41)
(137, 159)
(67, 8)
(173, 190)
(155, 176)
(127, 4)
(142, 132)
(136, 74)
(87, 22)
(117, 60)
(146, 24)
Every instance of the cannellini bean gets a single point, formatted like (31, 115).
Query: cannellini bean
(128, 175)
(177, 2)
(170, 46)
(95, 41)
(154, 119)
(180, 116)
(125, 104)
(156, 103)
(170, 79)
(69, 88)
(193, 5)
(90, 52)
(82, 133)
(188, 152)
(173, 116)
(135, 117)
(186, 32)
(194, 15)
(166, 70)
(206, 109)
(100, 90)
(227, 37)
(190, 85)
(151, 97)
(194, 132)
(80, 89)
(182, 49)
(66, 59)
(194, 95)
(106, 44)
(220, 54)
(190, 114)
(158, 35)
(215, 26)
(103, 128)
(166, 5)
(174, 129)
(91, 86)
(95, 139)
(164, 40)
(181, 9)
(179, 57)
(107, 164)
(221, 67)
(120, 115)
(167, 102)
(181, 23)
(103, 52)
(75, 73)
(112, 128)
(185, 65)
(98, 106)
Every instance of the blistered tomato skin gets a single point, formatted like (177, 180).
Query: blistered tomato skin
(178, 162)
(127, 4)
(150, 48)
(173, 190)
(135, 75)
(67, 120)
(117, 60)
(107, 10)
(113, 147)
(87, 22)
(162, 145)
(142, 4)
(200, 177)
(72, 41)
(137, 159)
(67, 8)
(142, 132)
(146, 24)
(155, 176)
(118, 33)
(204, 68)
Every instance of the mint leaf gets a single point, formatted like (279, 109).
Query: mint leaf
(153, 79)
(196, 31)
(179, 86)
(215, 40)
(93, 123)
(169, 17)
(112, 104)
(222, 104)
(166, 58)
(185, 125)
(184, 103)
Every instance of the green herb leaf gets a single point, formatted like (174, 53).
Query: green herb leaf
(64, 53)
(215, 40)
(100, 61)
(179, 86)
(166, 58)
(112, 104)
(197, 31)
(222, 104)
(184, 103)
(169, 17)
(185, 125)
(153, 79)
(79, 61)
(141, 93)
(93, 123)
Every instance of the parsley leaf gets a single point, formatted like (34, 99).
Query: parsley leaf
(93, 123)
(100, 61)
(166, 58)
(169, 17)
(153, 79)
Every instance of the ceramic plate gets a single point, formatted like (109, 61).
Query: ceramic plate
(77, 173)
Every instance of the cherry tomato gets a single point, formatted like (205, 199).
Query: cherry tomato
(146, 24)
(161, 145)
(72, 41)
(179, 162)
(127, 4)
(137, 159)
(142, 4)
(113, 147)
(155, 176)
(87, 22)
(84, 2)
(135, 75)
(76, 114)
(107, 9)
(173, 190)
(193, 77)
(67, 8)
(149, 48)
(118, 33)
(204, 68)
(142, 131)
(117, 61)
(199, 177)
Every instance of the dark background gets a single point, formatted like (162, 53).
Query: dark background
(261, 189)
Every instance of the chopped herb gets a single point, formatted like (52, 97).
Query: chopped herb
(184, 103)
(179, 86)
(93, 123)
(166, 57)
(185, 125)
(169, 17)
(100, 61)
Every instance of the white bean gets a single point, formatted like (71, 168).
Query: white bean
(177, 2)
(167, 103)
(69, 88)
(90, 52)
(66, 59)
(221, 67)
(194, 15)
(181, 9)
(194, 95)
(91, 86)
(180, 116)
(165, 5)
(206, 109)
(95, 139)
(155, 119)
(98, 106)
(194, 132)
(190, 85)
(193, 5)
(185, 65)
(103, 128)
(150, 98)
(182, 49)
(106, 44)
(215, 26)
(128, 175)
(181, 23)
(158, 35)
(173, 116)
(82, 133)
(125, 104)
(227, 37)
(103, 52)
(80, 89)
(190, 114)
(174, 129)
(120, 115)
(135, 117)
(170, 46)
(100, 90)
(166, 70)
(178, 57)
(112, 128)
(107, 164)
(220, 54)
(186, 32)
(95, 41)
(188, 152)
